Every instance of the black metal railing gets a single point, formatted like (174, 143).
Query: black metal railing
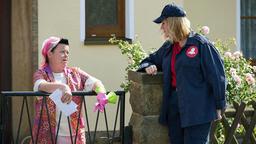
(6, 97)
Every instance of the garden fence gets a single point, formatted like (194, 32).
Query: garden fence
(238, 125)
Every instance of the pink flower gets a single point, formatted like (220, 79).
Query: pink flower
(237, 79)
(232, 71)
(248, 75)
(237, 54)
(228, 54)
(205, 30)
(249, 79)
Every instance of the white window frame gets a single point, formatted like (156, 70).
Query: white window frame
(238, 24)
(129, 19)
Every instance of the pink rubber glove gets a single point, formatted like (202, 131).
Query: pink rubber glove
(102, 101)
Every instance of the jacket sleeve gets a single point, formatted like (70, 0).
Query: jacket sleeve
(154, 58)
(214, 72)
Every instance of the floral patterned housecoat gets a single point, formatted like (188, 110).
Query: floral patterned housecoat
(76, 79)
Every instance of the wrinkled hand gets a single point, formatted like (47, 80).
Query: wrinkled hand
(67, 95)
(152, 70)
(66, 98)
(102, 101)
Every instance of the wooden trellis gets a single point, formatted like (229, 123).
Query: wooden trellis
(243, 115)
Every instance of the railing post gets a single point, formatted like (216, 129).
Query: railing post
(1, 119)
(122, 114)
(5, 127)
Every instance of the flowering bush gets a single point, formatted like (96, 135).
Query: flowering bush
(239, 72)
(240, 75)
(134, 53)
(240, 87)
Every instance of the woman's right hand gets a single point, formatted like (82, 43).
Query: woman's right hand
(152, 70)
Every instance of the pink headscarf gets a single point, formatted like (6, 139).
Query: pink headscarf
(47, 46)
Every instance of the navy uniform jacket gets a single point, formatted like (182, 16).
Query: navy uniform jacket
(200, 80)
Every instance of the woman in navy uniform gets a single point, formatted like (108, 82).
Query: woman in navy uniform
(193, 79)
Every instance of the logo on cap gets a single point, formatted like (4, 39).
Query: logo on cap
(192, 51)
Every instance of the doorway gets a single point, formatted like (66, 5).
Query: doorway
(5, 69)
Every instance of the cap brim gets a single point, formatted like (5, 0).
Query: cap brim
(159, 20)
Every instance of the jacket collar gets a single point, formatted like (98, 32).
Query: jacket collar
(191, 38)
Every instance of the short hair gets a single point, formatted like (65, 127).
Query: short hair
(179, 28)
(62, 41)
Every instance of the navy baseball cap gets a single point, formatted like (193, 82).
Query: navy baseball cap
(170, 10)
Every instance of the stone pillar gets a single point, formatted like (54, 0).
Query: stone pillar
(145, 100)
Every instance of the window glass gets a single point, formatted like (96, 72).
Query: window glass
(101, 12)
(248, 28)
(104, 19)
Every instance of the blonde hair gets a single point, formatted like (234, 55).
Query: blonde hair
(179, 28)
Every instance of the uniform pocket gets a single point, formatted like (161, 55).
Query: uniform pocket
(191, 62)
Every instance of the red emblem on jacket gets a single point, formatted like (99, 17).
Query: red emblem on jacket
(192, 51)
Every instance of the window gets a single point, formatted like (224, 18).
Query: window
(248, 28)
(104, 19)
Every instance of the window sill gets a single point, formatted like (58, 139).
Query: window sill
(102, 41)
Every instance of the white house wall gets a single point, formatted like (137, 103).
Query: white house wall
(219, 15)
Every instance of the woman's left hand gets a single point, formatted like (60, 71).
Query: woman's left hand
(67, 97)
(66, 94)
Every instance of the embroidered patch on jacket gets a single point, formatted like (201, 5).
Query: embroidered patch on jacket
(192, 51)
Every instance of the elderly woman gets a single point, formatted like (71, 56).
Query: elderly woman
(193, 79)
(55, 74)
